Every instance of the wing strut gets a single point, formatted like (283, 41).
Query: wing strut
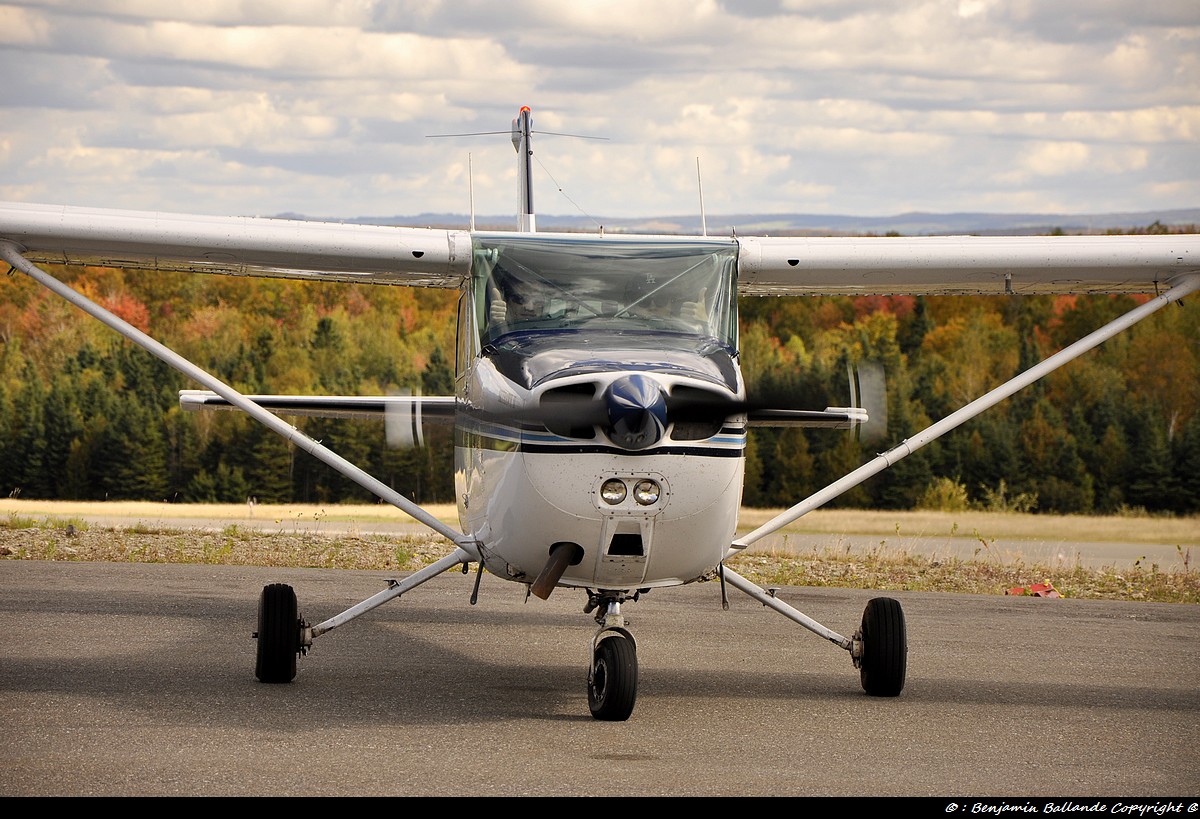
(1185, 285)
(11, 254)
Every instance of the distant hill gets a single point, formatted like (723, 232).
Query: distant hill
(801, 224)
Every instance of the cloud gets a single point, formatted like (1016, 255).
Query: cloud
(849, 106)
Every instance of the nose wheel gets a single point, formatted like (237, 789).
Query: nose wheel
(612, 681)
(612, 677)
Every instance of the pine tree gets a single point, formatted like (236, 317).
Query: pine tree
(1187, 468)
(1150, 480)
(793, 478)
(140, 471)
(28, 447)
(64, 427)
(268, 466)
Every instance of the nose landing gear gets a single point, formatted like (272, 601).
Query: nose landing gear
(612, 677)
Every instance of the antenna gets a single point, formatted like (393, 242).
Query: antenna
(471, 189)
(700, 186)
(522, 130)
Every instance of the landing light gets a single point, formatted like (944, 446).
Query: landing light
(646, 492)
(613, 491)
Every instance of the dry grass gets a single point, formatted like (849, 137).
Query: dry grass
(1128, 528)
(37, 531)
(1132, 528)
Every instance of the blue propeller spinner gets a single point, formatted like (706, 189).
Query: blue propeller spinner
(637, 411)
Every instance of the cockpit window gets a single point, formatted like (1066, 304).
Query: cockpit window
(554, 283)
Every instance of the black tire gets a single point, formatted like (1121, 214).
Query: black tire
(278, 634)
(612, 687)
(885, 648)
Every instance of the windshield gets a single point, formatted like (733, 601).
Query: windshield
(556, 283)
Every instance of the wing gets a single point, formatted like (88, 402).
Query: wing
(293, 248)
(237, 245)
(964, 265)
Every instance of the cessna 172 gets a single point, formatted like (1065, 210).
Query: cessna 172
(600, 413)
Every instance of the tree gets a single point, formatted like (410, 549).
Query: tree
(835, 462)
(1053, 467)
(63, 427)
(268, 465)
(1167, 372)
(793, 477)
(752, 494)
(1187, 468)
(137, 468)
(28, 446)
(1150, 481)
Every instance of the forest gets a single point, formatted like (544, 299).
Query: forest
(85, 414)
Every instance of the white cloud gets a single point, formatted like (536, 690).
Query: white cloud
(327, 107)
(1056, 158)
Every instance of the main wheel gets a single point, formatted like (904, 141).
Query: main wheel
(612, 685)
(885, 648)
(278, 634)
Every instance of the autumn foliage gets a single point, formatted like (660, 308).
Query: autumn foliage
(85, 414)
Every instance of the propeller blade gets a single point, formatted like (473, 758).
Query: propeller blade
(872, 396)
(697, 406)
(402, 422)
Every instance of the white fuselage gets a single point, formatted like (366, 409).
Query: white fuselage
(519, 503)
(580, 364)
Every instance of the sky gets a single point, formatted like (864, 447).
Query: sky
(334, 108)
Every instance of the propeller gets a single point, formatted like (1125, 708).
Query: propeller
(634, 410)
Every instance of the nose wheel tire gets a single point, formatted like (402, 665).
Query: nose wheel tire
(884, 648)
(278, 634)
(612, 684)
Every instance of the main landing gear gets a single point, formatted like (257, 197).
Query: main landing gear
(279, 634)
(879, 649)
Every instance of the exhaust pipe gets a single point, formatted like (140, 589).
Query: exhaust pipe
(562, 555)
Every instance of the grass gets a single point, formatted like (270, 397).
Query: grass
(40, 531)
(913, 572)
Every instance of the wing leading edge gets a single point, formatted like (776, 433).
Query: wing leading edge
(237, 245)
(964, 265)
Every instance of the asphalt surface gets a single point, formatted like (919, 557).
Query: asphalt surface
(138, 680)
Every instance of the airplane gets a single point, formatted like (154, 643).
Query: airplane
(600, 414)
